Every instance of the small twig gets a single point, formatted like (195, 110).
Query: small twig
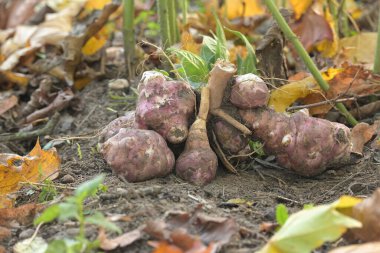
(221, 155)
(21, 136)
(330, 101)
(42, 184)
(222, 114)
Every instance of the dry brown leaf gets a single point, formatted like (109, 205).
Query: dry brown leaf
(372, 247)
(22, 215)
(360, 135)
(35, 167)
(358, 49)
(368, 213)
(300, 7)
(311, 29)
(5, 233)
(8, 103)
(120, 241)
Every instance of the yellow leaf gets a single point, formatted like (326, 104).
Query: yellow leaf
(96, 4)
(95, 43)
(237, 8)
(35, 167)
(286, 95)
(329, 48)
(283, 97)
(300, 7)
(17, 78)
(310, 228)
(240, 202)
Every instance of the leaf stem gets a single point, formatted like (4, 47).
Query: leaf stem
(305, 56)
(376, 66)
(163, 19)
(129, 35)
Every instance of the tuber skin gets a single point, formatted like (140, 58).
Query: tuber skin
(304, 144)
(138, 155)
(165, 106)
(249, 91)
(230, 139)
(198, 163)
(126, 121)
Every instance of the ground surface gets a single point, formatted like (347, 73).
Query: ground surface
(149, 200)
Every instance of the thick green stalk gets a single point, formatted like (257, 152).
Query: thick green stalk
(163, 19)
(174, 31)
(129, 35)
(376, 66)
(305, 56)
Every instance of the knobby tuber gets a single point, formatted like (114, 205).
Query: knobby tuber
(249, 91)
(126, 121)
(198, 163)
(165, 106)
(304, 144)
(138, 155)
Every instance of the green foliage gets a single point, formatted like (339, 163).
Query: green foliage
(79, 152)
(282, 214)
(73, 208)
(193, 67)
(221, 42)
(257, 147)
(247, 65)
(208, 51)
(48, 191)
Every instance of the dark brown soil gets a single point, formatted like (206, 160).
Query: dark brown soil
(266, 187)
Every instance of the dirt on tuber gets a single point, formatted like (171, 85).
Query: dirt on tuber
(165, 106)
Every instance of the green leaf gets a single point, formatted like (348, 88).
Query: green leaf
(282, 214)
(48, 215)
(57, 246)
(208, 51)
(249, 63)
(310, 228)
(194, 68)
(68, 209)
(221, 42)
(88, 188)
(99, 219)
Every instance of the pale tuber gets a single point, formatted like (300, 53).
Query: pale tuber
(138, 155)
(198, 163)
(304, 144)
(249, 91)
(165, 106)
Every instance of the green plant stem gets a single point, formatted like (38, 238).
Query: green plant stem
(376, 66)
(129, 36)
(163, 19)
(305, 56)
(82, 233)
(174, 31)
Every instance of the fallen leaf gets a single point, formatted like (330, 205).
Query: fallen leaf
(358, 49)
(237, 8)
(96, 42)
(368, 213)
(300, 7)
(366, 111)
(35, 167)
(31, 245)
(20, 11)
(120, 241)
(96, 4)
(360, 135)
(312, 28)
(164, 247)
(328, 47)
(372, 247)
(17, 78)
(310, 228)
(8, 103)
(188, 43)
(240, 202)
(5, 233)
(23, 215)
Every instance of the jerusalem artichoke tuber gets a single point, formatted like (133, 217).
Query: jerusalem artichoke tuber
(304, 144)
(198, 163)
(138, 155)
(165, 106)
